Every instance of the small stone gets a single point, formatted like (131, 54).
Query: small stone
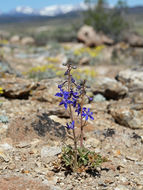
(3, 157)
(141, 172)
(121, 187)
(142, 139)
(11, 166)
(50, 174)
(139, 163)
(23, 145)
(3, 119)
(140, 187)
(25, 171)
(50, 151)
(99, 98)
(123, 179)
(131, 158)
(62, 184)
(6, 146)
(108, 165)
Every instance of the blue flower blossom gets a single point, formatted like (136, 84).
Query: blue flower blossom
(90, 99)
(60, 86)
(78, 110)
(65, 95)
(87, 114)
(74, 102)
(66, 73)
(72, 80)
(62, 93)
(71, 126)
(78, 87)
(65, 102)
(74, 94)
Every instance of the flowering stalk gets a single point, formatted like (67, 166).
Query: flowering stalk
(73, 97)
(72, 119)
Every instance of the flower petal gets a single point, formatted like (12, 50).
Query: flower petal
(59, 94)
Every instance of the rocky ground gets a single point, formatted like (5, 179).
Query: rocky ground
(32, 129)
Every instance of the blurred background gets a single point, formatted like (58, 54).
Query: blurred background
(60, 20)
(36, 36)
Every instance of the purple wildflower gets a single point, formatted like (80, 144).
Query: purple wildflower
(65, 102)
(74, 94)
(78, 110)
(66, 73)
(71, 126)
(87, 114)
(62, 93)
(72, 79)
(74, 102)
(78, 87)
(60, 86)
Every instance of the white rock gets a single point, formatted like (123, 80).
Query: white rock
(6, 146)
(141, 172)
(121, 187)
(48, 151)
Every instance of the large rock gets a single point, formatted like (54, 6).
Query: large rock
(88, 35)
(15, 87)
(127, 114)
(15, 39)
(48, 151)
(133, 79)
(39, 126)
(27, 41)
(134, 40)
(46, 90)
(109, 88)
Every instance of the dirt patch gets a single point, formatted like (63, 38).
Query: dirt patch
(21, 183)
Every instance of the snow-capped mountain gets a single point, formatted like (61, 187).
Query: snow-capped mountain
(61, 9)
(52, 10)
(56, 10)
(24, 10)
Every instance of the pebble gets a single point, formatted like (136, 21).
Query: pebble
(121, 187)
(23, 145)
(50, 151)
(4, 157)
(6, 146)
(123, 179)
(141, 172)
(142, 139)
(131, 158)
(11, 166)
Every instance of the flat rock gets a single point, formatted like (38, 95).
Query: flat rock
(90, 37)
(46, 90)
(126, 114)
(38, 126)
(133, 79)
(47, 151)
(121, 187)
(98, 98)
(109, 88)
(15, 87)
